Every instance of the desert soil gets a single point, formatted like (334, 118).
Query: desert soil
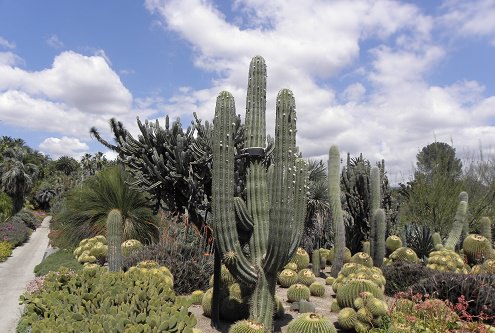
(322, 305)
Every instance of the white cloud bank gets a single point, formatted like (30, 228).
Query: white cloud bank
(55, 147)
(387, 108)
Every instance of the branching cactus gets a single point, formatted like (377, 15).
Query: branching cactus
(274, 218)
(114, 239)
(336, 207)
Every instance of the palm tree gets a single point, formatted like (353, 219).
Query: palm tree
(67, 165)
(87, 208)
(18, 176)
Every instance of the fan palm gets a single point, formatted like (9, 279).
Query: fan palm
(17, 176)
(87, 208)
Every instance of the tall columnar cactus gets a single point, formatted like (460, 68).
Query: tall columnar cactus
(486, 228)
(114, 239)
(463, 196)
(375, 204)
(457, 227)
(315, 262)
(336, 207)
(379, 248)
(274, 216)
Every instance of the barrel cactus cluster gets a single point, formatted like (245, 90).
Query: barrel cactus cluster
(92, 250)
(367, 311)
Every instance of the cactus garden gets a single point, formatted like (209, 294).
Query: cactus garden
(211, 228)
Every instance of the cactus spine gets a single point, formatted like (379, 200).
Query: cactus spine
(276, 219)
(336, 207)
(114, 239)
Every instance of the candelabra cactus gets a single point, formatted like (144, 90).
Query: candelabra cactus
(114, 239)
(336, 206)
(275, 221)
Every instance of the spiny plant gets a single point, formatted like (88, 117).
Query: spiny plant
(273, 214)
(336, 207)
(114, 236)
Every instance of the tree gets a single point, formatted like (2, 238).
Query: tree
(431, 197)
(68, 165)
(88, 205)
(17, 176)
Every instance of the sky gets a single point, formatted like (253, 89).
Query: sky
(382, 78)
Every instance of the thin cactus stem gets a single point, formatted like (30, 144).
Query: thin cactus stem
(336, 207)
(114, 238)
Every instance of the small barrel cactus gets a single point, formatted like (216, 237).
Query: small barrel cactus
(363, 259)
(347, 293)
(287, 278)
(404, 254)
(306, 276)
(309, 323)
(247, 326)
(392, 243)
(197, 296)
(446, 261)
(477, 248)
(130, 246)
(347, 318)
(317, 289)
(297, 292)
(300, 258)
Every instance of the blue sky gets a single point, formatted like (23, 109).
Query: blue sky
(380, 77)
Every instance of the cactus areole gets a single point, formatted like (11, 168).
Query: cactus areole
(275, 214)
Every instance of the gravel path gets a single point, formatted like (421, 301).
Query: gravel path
(16, 272)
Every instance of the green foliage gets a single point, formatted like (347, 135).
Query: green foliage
(5, 206)
(27, 217)
(419, 239)
(97, 300)
(55, 261)
(5, 250)
(66, 164)
(14, 231)
(87, 207)
(310, 322)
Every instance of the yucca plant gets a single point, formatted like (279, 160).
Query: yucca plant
(87, 208)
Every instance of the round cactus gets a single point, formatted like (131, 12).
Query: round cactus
(226, 277)
(376, 307)
(297, 292)
(362, 327)
(292, 266)
(279, 310)
(310, 322)
(306, 276)
(404, 254)
(287, 278)
(347, 318)
(247, 326)
(148, 264)
(329, 280)
(317, 289)
(363, 259)
(446, 261)
(301, 258)
(477, 248)
(206, 302)
(392, 243)
(197, 296)
(130, 246)
(334, 307)
(364, 315)
(331, 255)
(347, 293)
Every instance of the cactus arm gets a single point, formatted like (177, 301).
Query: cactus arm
(379, 222)
(300, 202)
(245, 222)
(282, 205)
(224, 226)
(336, 207)
(457, 226)
(486, 228)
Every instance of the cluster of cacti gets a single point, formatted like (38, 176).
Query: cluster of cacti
(354, 279)
(99, 301)
(403, 254)
(367, 311)
(300, 258)
(487, 267)
(92, 250)
(150, 267)
(330, 255)
(477, 248)
(273, 220)
(130, 246)
(233, 298)
(310, 323)
(447, 261)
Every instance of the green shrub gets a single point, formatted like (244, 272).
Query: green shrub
(5, 206)
(57, 260)
(401, 275)
(28, 218)
(5, 250)
(95, 300)
(14, 231)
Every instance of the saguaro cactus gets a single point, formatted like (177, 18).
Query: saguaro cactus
(114, 239)
(273, 217)
(375, 204)
(336, 207)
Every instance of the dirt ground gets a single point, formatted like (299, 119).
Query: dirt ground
(322, 305)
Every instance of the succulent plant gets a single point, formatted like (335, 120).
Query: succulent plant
(457, 227)
(404, 254)
(331, 255)
(362, 258)
(309, 323)
(446, 261)
(329, 280)
(247, 326)
(297, 292)
(334, 307)
(486, 228)
(300, 258)
(305, 276)
(287, 278)
(347, 318)
(114, 230)
(316, 262)
(348, 292)
(291, 266)
(317, 289)
(477, 248)
(206, 302)
(197, 296)
(130, 246)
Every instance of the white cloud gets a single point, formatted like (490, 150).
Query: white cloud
(6, 44)
(56, 147)
(54, 42)
(10, 59)
(388, 109)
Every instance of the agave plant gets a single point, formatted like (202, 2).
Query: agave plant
(87, 208)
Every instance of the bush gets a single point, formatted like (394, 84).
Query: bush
(28, 218)
(400, 276)
(5, 250)
(95, 300)
(57, 260)
(5, 206)
(478, 289)
(185, 252)
(14, 231)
